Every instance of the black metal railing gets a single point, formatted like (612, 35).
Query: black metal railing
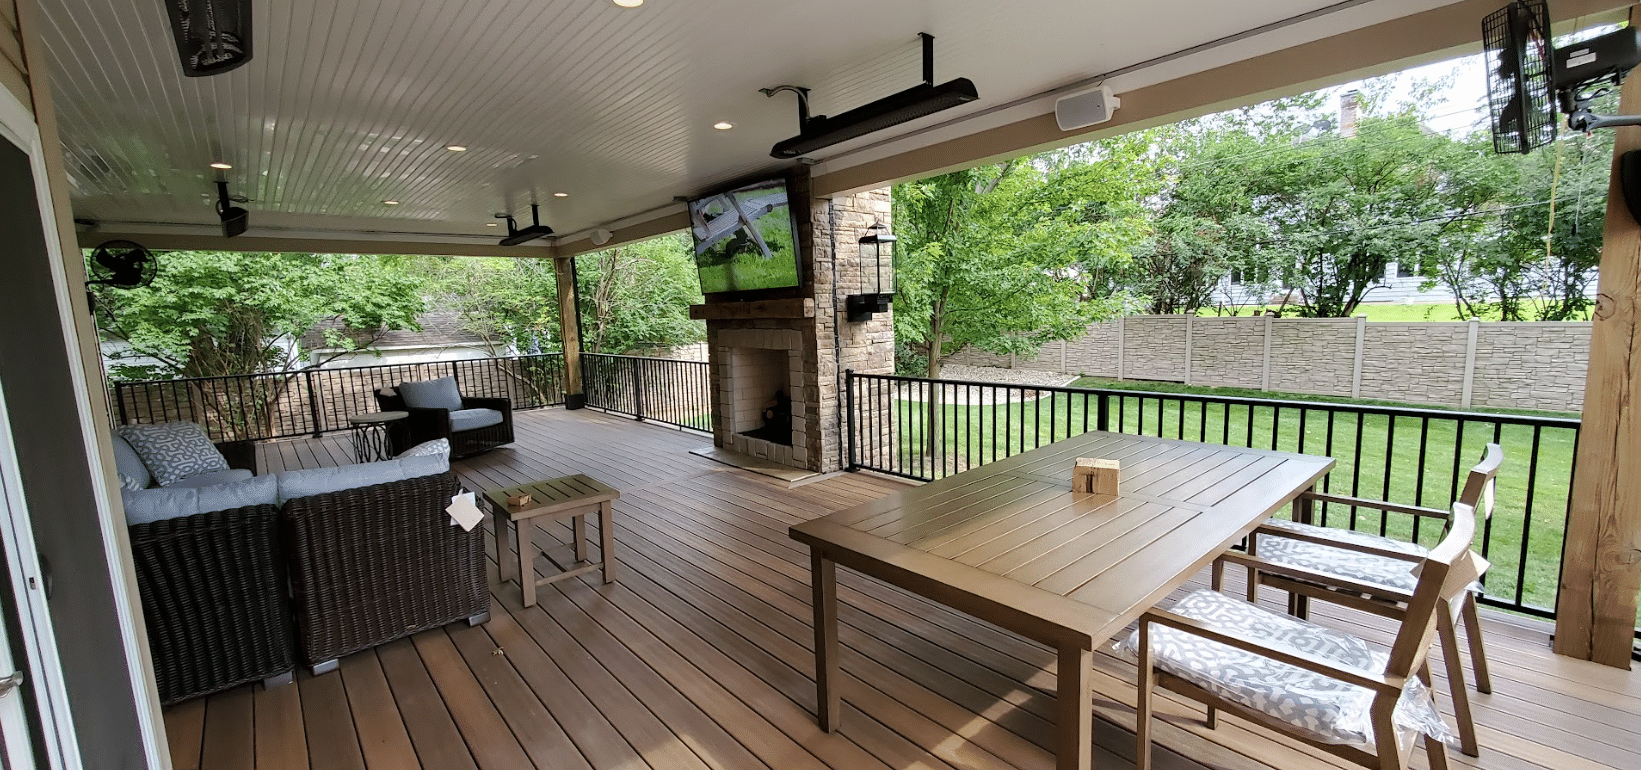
(311, 402)
(662, 390)
(926, 429)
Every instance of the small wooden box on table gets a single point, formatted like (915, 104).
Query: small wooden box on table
(569, 496)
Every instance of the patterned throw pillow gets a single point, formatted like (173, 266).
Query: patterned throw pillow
(174, 451)
(131, 482)
(438, 446)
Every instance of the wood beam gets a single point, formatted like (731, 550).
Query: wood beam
(575, 395)
(312, 245)
(642, 231)
(1601, 557)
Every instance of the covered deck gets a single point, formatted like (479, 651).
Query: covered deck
(700, 656)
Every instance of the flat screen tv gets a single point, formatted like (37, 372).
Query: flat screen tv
(745, 239)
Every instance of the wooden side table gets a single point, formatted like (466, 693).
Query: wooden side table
(370, 435)
(572, 496)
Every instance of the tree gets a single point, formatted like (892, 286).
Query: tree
(631, 297)
(213, 314)
(638, 296)
(1000, 256)
(1343, 208)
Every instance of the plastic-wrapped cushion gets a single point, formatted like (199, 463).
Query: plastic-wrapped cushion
(1326, 708)
(317, 481)
(469, 419)
(1373, 570)
(149, 505)
(212, 479)
(436, 447)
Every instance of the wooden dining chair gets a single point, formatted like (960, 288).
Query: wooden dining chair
(1372, 574)
(1324, 687)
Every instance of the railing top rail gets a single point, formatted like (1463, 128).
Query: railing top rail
(1393, 411)
(640, 358)
(317, 369)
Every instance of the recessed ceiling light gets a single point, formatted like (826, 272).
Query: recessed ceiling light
(561, 195)
(390, 203)
(723, 125)
(456, 147)
(491, 224)
(219, 165)
(629, 3)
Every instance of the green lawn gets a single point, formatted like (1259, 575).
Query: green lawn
(1378, 457)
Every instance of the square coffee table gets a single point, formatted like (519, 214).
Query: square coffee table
(567, 496)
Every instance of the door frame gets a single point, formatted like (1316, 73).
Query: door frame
(18, 126)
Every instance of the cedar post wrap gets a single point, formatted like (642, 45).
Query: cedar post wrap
(575, 396)
(1601, 556)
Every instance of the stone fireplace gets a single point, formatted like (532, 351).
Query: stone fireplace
(797, 342)
(761, 371)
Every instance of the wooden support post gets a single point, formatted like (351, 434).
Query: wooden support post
(1601, 570)
(575, 395)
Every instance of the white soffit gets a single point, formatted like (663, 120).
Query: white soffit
(348, 104)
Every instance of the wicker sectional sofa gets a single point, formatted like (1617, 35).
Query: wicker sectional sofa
(244, 594)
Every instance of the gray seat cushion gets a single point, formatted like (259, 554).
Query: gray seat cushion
(1325, 708)
(148, 505)
(1356, 566)
(174, 450)
(468, 419)
(133, 474)
(316, 481)
(212, 479)
(432, 394)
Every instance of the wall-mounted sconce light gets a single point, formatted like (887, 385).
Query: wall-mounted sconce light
(877, 274)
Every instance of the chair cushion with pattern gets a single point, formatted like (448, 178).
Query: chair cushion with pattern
(1330, 710)
(1356, 566)
(174, 450)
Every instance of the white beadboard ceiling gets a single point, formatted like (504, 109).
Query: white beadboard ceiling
(347, 103)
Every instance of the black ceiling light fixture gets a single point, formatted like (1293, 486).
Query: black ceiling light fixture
(819, 131)
(234, 219)
(517, 235)
(213, 36)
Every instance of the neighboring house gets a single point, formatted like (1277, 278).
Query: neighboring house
(442, 338)
(1396, 286)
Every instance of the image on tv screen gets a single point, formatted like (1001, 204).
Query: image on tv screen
(744, 239)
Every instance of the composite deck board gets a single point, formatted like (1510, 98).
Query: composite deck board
(701, 655)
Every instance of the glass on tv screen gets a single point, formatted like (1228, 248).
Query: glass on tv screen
(744, 239)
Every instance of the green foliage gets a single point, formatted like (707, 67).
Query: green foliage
(214, 313)
(632, 297)
(1001, 257)
(638, 296)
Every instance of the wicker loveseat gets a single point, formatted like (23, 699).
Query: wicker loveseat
(373, 564)
(429, 423)
(309, 566)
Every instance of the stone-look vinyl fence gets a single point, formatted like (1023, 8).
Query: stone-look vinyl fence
(1534, 365)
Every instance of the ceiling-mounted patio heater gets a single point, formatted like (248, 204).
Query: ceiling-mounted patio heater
(819, 131)
(213, 36)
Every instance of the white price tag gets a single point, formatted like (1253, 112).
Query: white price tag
(464, 512)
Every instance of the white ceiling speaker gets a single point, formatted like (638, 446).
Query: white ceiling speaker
(602, 236)
(1086, 108)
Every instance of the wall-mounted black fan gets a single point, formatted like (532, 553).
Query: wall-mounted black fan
(122, 264)
(1528, 77)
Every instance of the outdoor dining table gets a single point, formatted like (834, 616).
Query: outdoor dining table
(1010, 543)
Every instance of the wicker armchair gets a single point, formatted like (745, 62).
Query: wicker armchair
(213, 599)
(377, 563)
(213, 596)
(428, 424)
